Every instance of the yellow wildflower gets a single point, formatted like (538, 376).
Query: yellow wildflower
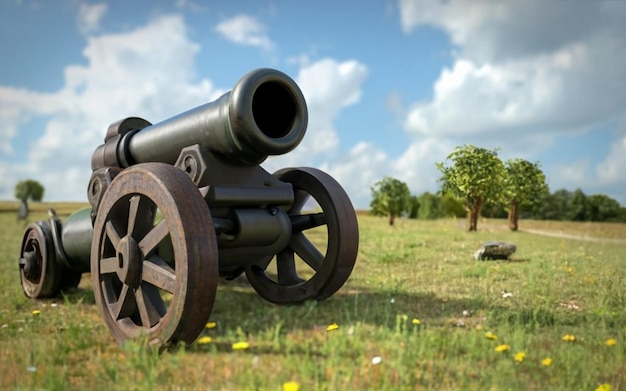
(502, 348)
(211, 325)
(291, 386)
(611, 342)
(490, 335)
(332, 327)
(604, 387)
(416, 321)
(241, 345)
(519, 357)
(546, 362)
(36, 312)
(569, 338)
(204, 340)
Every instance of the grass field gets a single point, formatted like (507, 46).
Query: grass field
(417, 313)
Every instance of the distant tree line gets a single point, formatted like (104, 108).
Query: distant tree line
(565, 205)
(475, 182)
(392, 198)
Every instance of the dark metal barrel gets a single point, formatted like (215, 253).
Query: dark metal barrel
(264, 114)
(76, 237)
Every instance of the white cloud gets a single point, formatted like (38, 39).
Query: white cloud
(493, 31)
(416, 166)
(115, 83)
(89, 17)
(610, 171)
(358, 170)
(245, 30)
(523, 73)
(328, 86)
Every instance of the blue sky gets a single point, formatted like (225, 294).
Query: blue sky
(392, 86)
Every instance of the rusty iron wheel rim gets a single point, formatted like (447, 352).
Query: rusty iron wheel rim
(332, 269)
(139, 293)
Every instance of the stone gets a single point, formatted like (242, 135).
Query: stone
(495, 250)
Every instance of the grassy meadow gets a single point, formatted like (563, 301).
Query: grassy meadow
(418, 313)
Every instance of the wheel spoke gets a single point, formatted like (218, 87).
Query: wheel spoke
(108, 265)
(125, 305)
(132, 213)
(301, 223)
(300, 198)
(334, 230)
(147, 280)
(153, 238)
(158, 273)
(150, 305)
(139, 216)
(286, 265)
(114, 237)
(307, 251)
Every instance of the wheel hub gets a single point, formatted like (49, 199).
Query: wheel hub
(129, 259)
(30, 265)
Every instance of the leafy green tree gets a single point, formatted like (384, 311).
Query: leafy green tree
(555, 206)
(414, 206)
(524, 186)
(25, 190)
(603, 208)
(451, 207)
(29, 189)
(390, 197)
(475, 176)
(430, 206)
(494, 210)
(579, 207)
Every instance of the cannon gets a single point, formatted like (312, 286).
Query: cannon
(177, 205)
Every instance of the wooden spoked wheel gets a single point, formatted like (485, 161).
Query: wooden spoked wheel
(164, 296)
(40, 274)
(301, 271)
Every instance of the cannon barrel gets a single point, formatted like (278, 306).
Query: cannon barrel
(264, 114)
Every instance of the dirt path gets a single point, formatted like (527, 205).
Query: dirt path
(562, 235)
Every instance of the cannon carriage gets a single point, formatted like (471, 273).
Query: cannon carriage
(178, 204)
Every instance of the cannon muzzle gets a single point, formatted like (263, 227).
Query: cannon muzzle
(264, 114)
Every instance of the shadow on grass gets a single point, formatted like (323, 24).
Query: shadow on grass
(505, 261)
(239, 309)
(240, 306)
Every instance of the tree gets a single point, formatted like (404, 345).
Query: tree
(603, 208)
(390, 197)
(430, 206)
(475, 176)
(579, 207)
(25, 190)
(524, 186)
(29, 189)
(555, 206)
(414, 207)
(451, 207)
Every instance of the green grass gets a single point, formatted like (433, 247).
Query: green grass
(420, 270)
